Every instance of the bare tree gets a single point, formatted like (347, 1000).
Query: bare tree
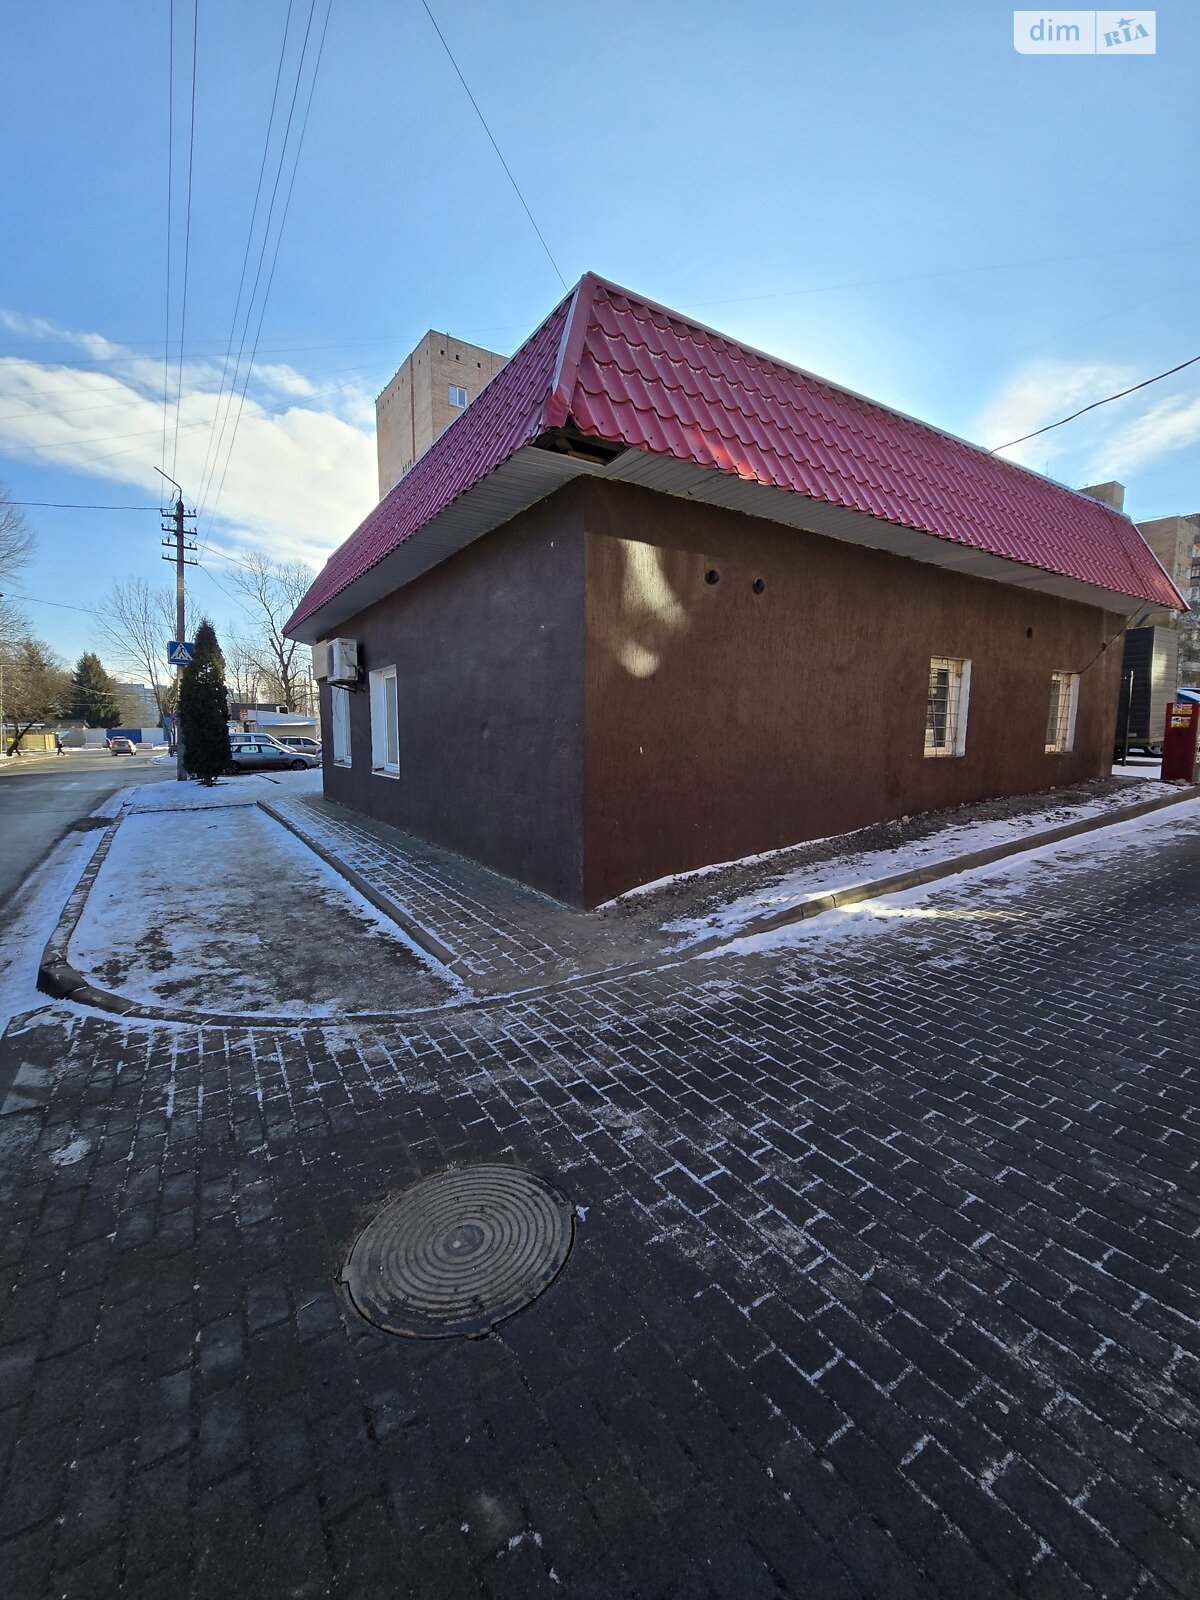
(243, 669)
(36, 688)
(16, 549)
(135, 620)
(130, 710)
(16, 537)
(274, 590)
(14, 626)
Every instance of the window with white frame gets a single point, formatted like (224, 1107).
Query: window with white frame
(1064, 703)
(946, 706)
(457, 395)
(385, 722)
(340, 720)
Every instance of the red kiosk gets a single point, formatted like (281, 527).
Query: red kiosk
(1180, 739)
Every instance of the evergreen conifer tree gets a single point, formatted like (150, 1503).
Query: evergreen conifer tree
(204, 709)
(93, 694)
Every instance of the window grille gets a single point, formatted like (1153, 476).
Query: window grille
(946, 706)
(1060, 724)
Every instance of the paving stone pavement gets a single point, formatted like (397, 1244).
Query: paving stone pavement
(503, 935)
(884, 1281)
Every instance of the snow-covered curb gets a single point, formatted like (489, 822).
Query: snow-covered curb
(994, 886)
(791, 891)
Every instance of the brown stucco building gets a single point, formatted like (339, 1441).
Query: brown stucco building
(613, 629)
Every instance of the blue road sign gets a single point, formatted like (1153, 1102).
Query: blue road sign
(179, 652)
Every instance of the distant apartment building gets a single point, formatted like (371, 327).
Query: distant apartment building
(436, 383)
(139, 698)
(1176, 543)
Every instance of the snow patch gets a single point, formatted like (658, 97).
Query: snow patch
(70, 1154)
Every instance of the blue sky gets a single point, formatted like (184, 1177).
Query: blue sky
(886, 194)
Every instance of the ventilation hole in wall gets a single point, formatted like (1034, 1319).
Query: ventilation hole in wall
(758, 586)
(712, 576)
(1029, 633)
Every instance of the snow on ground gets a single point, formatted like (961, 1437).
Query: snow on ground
(222, 909)
(32, 917)
(242, 790)
(997, 893)
(1138, 767)
(805, 882)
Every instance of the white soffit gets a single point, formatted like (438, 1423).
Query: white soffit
(532, 474)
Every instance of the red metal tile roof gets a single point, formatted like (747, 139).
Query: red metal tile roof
(621, 369)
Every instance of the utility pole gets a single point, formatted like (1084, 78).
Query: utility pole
(179, 532)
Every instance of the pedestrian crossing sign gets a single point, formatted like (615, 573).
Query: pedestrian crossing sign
(180, 652)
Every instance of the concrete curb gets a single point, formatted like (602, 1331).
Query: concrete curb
(878, 888)
(56, 976)
(62, 981)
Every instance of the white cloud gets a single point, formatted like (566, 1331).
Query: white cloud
(1114, 441)
(41, 329)
(1170, 424)
(1040, 393)
(302, 473)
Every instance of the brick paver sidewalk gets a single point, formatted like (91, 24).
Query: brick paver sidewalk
(503, 935)
(884, 1282)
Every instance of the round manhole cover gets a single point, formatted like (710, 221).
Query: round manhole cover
(459, 1252)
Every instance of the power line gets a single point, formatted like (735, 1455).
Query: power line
(237, 305)
(187, 235)
(212, 577)
(237, 561)
(60, 605)
(131, 352)
(75, 505)
(1133, 388)
(170, 180)
(206, 479)
(495, 146)
(925, 277)
(262, 311)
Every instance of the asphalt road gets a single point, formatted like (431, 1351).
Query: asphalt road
(41, 796)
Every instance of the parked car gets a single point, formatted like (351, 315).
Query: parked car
(254, 752)
(301, 742)
(122, 747)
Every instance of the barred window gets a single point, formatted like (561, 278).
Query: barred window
(946, 707)
(1064, 702)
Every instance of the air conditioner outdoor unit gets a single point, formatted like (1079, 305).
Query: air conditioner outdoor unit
(343, 661)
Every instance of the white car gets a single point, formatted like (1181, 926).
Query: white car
(254, 752)
(122, 747)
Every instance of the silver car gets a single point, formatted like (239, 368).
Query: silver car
(255, 752)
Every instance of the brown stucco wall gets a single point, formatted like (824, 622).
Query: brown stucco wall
(720, 722)
(489, 652)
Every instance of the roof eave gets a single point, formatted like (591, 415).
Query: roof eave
(532, 473)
